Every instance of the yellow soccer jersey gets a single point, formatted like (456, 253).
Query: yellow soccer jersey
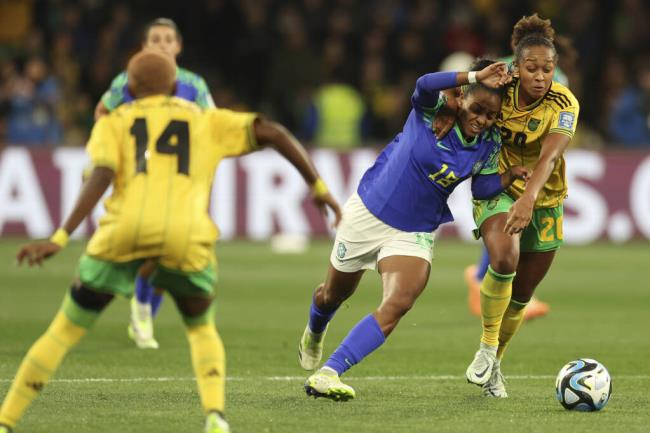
(164, 151)
(524, 128)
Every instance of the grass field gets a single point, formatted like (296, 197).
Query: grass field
(600, 300)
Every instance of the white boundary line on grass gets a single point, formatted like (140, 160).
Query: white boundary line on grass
(299, 378)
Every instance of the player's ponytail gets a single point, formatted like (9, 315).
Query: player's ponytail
(532, 31)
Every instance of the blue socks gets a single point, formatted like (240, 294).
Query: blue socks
(156, 300)
(319, 319)
(363, 339)
(145, 294)
(483, 265)
(143, 290)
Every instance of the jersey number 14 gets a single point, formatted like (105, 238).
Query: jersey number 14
(174, 140)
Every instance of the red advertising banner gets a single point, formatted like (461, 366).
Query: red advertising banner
(260, 195)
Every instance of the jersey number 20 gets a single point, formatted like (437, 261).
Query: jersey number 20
(175, 140)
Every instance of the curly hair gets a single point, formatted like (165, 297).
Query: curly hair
(532, 31)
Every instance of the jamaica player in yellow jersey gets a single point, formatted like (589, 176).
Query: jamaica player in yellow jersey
(160, 154)
(522, 228)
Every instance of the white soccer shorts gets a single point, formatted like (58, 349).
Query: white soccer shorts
(362, 240)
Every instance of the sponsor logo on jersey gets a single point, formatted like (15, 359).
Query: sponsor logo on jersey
(533, 124)
(566, 120)
(442, 146)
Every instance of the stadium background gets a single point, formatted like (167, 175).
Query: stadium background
(280, 58)
(337, 73)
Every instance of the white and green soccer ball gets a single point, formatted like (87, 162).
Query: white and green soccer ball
(583, 385)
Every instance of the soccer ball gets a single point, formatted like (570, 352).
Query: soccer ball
(583, 385)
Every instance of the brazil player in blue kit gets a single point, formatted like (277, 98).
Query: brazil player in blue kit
(401, 200)
(161, 34)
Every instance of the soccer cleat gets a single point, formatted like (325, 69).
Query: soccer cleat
(140, 329)
(480, 370)
(535, 308)
(310, 349)
(215, 423)
(473, 290)
(326, 383)
(496, 386)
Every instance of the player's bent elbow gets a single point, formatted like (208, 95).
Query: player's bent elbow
(268, 132)
(102, 176)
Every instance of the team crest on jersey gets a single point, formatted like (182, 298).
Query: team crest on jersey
(341, 250)
(533, 124)
(566, 120)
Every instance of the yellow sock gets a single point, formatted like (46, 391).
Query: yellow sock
(41, 361)
(495, 296)
(209, 362)
(512, 319)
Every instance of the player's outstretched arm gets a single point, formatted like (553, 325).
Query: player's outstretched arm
(520, 214)
(274, 135)
(98, 182)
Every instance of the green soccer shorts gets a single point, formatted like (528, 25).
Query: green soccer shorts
(544, 233)
(118, 278)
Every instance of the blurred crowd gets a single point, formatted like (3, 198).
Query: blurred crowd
(336, 72)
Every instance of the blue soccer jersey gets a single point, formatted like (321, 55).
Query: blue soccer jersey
(411, 180)
(189, 86)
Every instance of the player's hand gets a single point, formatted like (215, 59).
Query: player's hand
(443, 122)
(519, 215)
(518, 172)
(494, 76)
(325, 201)
(36, 252)
(444, 119)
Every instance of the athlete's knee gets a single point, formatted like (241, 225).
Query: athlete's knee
(83, 305)
(89, 299)
(504, 262)
(195, 310)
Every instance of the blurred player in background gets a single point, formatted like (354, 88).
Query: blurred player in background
(389, 224)
(522, 227)
(474, 274)
(160, 154)
(161, 34)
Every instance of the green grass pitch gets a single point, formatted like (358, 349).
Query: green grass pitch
(600, 308)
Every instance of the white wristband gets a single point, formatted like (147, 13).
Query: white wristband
(471, 77)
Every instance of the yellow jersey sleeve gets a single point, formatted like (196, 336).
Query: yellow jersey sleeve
(103, 148)
(233, 132)
(565, 120)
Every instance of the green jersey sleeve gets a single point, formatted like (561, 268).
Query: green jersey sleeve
(114, 96)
